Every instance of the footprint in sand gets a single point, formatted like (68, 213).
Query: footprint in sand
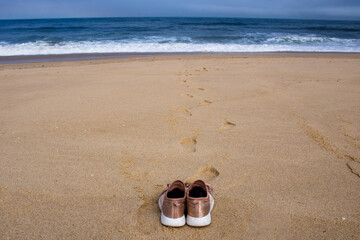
(200, 89)
(201, 70)
(354, 166)
(189, 144)
(226, 125)
(206, 102)
(187, 95)
(205, 173)
(184, 111)
(147, 216)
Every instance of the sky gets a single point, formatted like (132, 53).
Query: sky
(294, 9)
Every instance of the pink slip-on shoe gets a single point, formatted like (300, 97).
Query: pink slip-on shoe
(200, 202)
(172, 204)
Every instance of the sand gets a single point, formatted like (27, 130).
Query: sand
(86, 147)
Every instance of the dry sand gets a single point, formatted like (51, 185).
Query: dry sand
(87, 146)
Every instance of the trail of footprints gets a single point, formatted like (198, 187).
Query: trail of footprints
(147, 212)
(189, 143)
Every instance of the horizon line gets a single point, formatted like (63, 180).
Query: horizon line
(316, 19)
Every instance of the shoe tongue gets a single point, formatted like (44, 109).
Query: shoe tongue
(199, 183)
(176, 184)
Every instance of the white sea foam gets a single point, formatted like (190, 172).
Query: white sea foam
(271, 45)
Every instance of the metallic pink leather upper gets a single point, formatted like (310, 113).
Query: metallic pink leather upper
(173, 207)
(199, 207)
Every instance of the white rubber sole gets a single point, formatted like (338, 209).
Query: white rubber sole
(171, 222)
(202, 221)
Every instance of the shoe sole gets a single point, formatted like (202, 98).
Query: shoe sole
(202, 221)
(171, 222)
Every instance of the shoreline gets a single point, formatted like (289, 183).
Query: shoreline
(103, 56)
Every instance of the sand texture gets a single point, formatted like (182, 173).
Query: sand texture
(86, 147)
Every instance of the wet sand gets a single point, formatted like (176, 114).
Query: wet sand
(86, 147)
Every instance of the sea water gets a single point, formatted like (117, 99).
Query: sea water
(168, 35)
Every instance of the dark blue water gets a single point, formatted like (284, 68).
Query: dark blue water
(107, 35)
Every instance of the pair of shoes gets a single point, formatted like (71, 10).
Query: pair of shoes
(197, 200)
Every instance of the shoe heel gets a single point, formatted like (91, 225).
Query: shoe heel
(172, 222)
(198, 222)
(201, 221)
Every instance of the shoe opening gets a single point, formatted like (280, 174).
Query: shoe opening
(197, 192)
(176, 193)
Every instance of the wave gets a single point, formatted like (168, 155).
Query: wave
(308, 40)
(44, 48)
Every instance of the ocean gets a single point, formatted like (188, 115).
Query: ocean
(171, 35)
